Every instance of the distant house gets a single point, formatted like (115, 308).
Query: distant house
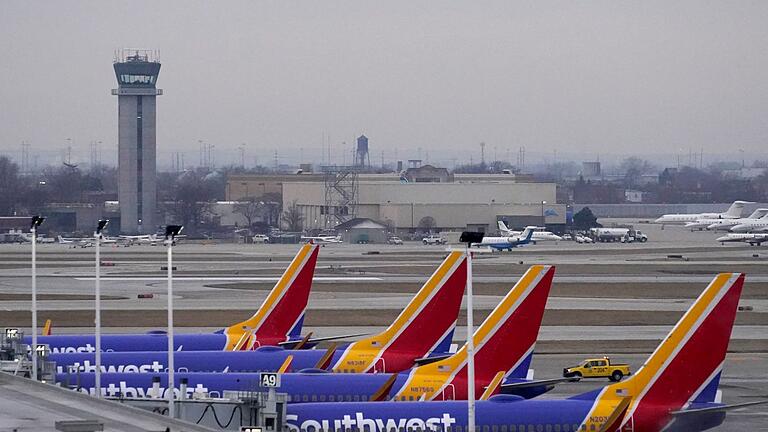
(362, 230)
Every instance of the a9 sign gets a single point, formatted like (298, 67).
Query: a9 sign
(269, 379)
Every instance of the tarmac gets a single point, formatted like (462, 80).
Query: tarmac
(617, 299)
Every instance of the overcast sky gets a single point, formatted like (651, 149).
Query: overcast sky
(581, 78)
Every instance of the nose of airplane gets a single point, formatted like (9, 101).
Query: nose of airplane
(740, 228)
(659, 220)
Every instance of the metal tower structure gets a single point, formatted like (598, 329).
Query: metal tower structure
(340, 195)
(136, 72)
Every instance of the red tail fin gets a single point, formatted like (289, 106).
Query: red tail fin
(686, 366)
(282, 312)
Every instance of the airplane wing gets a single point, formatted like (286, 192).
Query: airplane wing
(509, 388)
(431, 359)
(291, 344)
(717, 408)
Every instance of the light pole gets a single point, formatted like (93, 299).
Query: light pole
(470, 237)
(543, 217)
(97, 238)
(171, 231)
(34, 225)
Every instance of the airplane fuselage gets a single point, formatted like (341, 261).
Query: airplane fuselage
(505, 413)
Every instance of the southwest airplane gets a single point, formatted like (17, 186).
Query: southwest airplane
(423, 329)
(733, 212)
(510, 242)
(504, 350)
(675, 390)
(278, 320)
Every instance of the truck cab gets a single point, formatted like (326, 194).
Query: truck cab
(598, 368)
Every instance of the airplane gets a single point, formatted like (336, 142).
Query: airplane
(751, 238)
(326, 239)
(150, 239)
(725, 224)
(675, 390)
(539, 234)
(733, 212)
(501, 243)
(752, 225)
(422, 330)
(504, 350)
(278, 319)
(82, 242)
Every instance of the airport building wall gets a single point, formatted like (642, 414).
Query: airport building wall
(439, 206)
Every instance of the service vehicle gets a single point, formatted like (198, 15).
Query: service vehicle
(260, 238)
(394, 240)
(598, 368)
(433, 239)
(623, 235)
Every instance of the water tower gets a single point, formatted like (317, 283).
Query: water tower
(136, 72)
(362, 158)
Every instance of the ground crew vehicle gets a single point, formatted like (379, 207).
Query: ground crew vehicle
(394, 240)
(433, 239)
(598, 368)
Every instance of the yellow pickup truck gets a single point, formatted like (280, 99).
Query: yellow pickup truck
(598, 368)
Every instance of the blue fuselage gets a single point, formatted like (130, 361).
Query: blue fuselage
(264, 359)
(505, 414)
(132, 342)
(300, 387)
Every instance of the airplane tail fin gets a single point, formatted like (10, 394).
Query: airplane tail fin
(47, 328)
(425, 325)
(527, 233)
(503, 230)
(503, 342)
(736, 208)
(281, 315)
(685, 368)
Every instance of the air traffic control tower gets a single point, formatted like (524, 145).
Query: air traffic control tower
(136, 72)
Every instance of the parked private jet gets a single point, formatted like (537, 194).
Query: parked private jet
(733, 212)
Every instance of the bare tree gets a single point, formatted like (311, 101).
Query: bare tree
(427, 223)
(192, 200)
(10, 186)
(634, 168)
(292, 218)
(250, 209)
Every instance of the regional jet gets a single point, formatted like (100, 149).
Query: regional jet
(539, 234)
(733, 212)
(502, 243)
(752, 238)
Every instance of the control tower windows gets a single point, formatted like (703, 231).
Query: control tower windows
(137, 79)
